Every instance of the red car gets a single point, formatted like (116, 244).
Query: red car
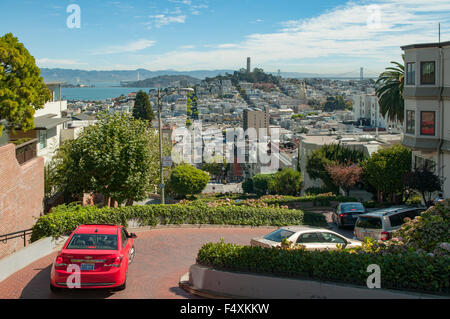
(94, 256)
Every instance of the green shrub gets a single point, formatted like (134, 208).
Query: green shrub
(65, 219)
(407, 271)
(318, 200)
(429, 230)
(185, 180)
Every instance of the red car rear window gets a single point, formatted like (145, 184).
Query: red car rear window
(93, 241)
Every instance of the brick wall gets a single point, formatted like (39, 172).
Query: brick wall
(21, 196)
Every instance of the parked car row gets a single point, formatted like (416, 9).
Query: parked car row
(378, 224)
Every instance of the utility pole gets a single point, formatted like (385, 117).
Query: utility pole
(160, 148)
(161, 168)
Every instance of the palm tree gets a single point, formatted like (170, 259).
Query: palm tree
(389, 89)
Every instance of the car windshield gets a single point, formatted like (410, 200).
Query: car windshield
(358, 207)
(369, 222)
(278, 235)
(93, 241)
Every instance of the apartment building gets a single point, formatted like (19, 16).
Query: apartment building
(45, 138)
(366, 110)
(427, 106)
(256, 118)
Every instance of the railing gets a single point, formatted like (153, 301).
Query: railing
(26, 151)
(22, 233)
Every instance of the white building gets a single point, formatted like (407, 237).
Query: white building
(49, 123)
(427, 106)
(366, 108)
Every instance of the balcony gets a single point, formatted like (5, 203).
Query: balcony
(26, 149)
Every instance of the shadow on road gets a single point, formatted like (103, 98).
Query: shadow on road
(39, 288)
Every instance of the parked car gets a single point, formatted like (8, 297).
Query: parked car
(313, 238)
(101, 254)
(346, 214)
(380, 224)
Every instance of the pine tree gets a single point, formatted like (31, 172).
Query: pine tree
(142, 107)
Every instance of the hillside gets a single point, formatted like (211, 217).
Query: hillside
(163, 81)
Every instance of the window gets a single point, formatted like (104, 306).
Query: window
(410, 122)
(279, 235)
(397, 219)
(124, 238)
(427, 123)
(93, 241)
(308, 238)
(331, 238)
(427, 72)
(410, 73)
(42, 139)
(369, 222)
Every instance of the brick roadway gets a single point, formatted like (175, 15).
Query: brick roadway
(162, 257)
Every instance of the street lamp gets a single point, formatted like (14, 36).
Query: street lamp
(167, 91)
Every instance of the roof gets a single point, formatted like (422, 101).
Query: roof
(387, 211)
(98, 229)
(83, 117)
(46, 122)
(426, 45)
(302, 228)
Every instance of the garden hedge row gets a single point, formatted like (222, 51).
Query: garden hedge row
(65, 219)
(404, 272)
(317, 200)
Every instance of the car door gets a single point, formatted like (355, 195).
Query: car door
(126, 244)
(310, 240)
(330, 240)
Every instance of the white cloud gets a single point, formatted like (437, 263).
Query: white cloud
(129, 47)
(160, 20)
(346, 36)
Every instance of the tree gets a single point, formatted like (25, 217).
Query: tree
(386, 168)
(261, 183)
(247, 186)
(329, 154)
(22, 89)
(112, 157)
(346, 176)
(216, 166)
(286, 182)
(425, 182)
(389, 89)
(142, 109)
(187, 180)
(334, 103)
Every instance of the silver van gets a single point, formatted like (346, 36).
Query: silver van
(380, 224)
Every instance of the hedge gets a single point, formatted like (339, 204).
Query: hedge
(404, 272)
(318, 200)
(65, 219)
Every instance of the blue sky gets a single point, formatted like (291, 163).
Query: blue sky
(320, 36)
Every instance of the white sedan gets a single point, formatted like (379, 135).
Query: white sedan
(312, 238)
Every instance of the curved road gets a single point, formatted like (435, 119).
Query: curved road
(162, 257)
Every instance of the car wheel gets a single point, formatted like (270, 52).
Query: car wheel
(55, 289)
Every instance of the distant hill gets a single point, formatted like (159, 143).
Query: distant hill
(163, 81)
(83, 76)
(115, 76)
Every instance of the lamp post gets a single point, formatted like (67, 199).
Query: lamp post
(167, 91)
